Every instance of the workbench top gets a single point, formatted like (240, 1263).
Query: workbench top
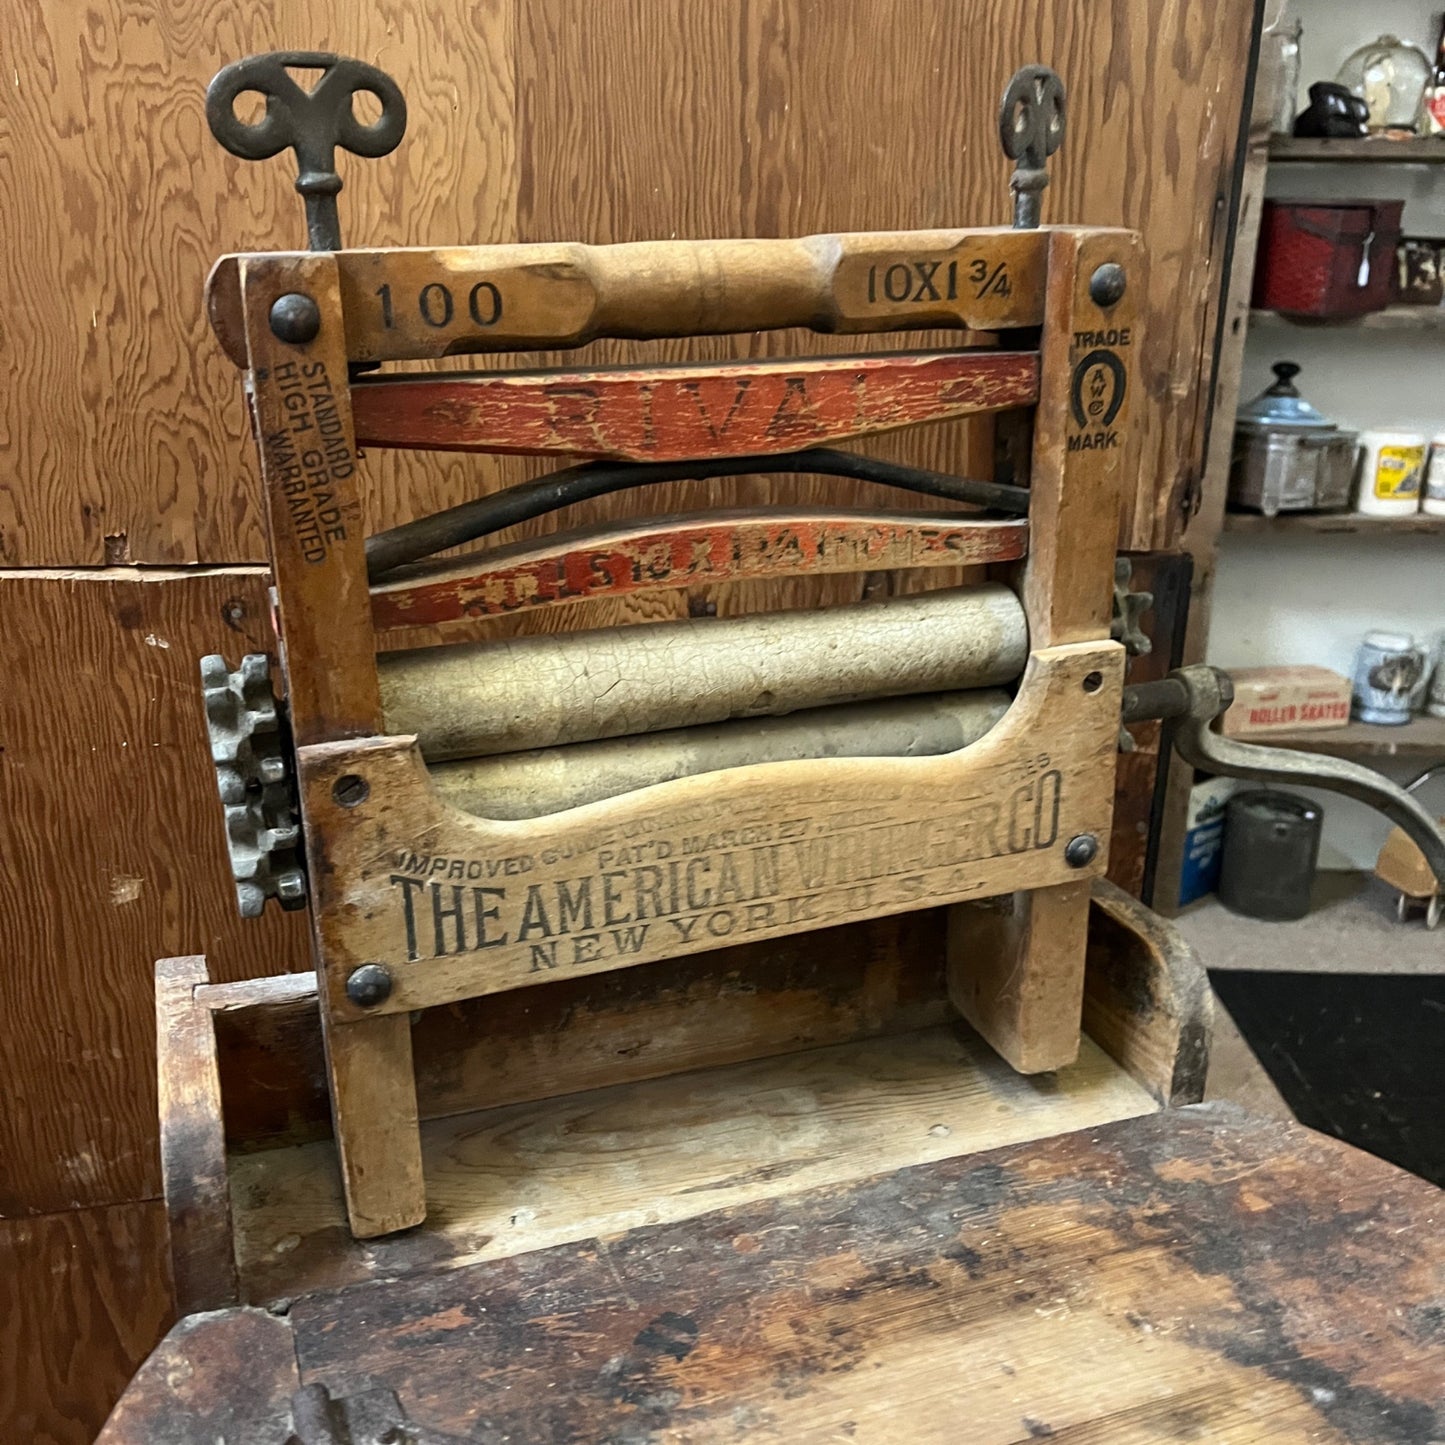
(1195, 1274)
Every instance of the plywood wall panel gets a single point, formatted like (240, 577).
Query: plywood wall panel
(84, 1297)
(111, 834)
(122, 438)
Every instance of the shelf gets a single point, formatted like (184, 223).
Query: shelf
(1351, 522)
(1421, 150)
(1392, 318)
(1421, 737)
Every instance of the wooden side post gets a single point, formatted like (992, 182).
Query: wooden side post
(193, 1143)
(1020, 980)
(308, 459)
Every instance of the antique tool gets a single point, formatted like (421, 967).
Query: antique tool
(668, 839)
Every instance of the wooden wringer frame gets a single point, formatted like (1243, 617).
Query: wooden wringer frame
(481, 817)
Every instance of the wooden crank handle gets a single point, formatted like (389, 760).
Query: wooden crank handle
(312, 123)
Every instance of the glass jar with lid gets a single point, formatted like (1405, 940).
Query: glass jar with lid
(1390, 77)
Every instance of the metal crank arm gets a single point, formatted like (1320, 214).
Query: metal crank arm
(1199, 694)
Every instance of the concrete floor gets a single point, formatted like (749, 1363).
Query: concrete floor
(1350, 929)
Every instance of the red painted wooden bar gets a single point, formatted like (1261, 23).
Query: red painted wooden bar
(683, 551)
(675, 413)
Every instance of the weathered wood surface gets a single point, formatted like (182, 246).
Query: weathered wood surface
(114, 855)
(1195, 1274)
(193, 1140)
(1146, 997)
(125, 434)
(412, 304)
(186, 1392)
(84, 1297)
(681, 413)
(1025, 999)
(684, 551)
(527, 1176)
(456, 905)
(565, 1036)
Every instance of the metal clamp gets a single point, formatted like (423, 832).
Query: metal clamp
(312, 123)
(371, 1416)
(251, 753)
(1199, 694)
(1031, 129)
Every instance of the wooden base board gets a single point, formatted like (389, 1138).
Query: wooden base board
(506, 1181)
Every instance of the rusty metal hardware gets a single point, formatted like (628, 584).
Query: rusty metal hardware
(470, 521)
(251, 753)
(1196, 695)
(369, 1417)
(1129, 607)
(311, 123)
(1031, 129)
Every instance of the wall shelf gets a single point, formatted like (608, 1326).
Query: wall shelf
(1422, 737)
(1351, 522)
(1422, 150)
(1392, 318)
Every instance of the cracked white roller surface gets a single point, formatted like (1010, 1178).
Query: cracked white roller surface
(535, 692)
(550, 780)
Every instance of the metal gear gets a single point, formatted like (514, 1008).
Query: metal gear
(1129, 607)
(253, 777)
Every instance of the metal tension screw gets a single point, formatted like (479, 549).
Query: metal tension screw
(1079, 852)
(295, 318)
(1108, 284)
(369, 985)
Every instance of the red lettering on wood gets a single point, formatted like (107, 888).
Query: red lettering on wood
(683, 551)
(672, 413)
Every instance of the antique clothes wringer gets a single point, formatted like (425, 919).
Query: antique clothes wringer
(470, 820)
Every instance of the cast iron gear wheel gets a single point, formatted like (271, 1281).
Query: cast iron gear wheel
(253, 775)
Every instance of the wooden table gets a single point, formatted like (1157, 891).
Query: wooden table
(1191, 1275)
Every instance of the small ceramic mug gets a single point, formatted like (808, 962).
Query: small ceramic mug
(1435, 701)
(1391, 670)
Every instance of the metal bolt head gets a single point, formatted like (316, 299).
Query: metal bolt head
(1108, 284)
(1081, 850)
(295, 318)
(368, 985)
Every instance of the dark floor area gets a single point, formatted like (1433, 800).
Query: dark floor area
(1357, 1055)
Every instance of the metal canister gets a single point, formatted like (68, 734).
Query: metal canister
(1271, 847)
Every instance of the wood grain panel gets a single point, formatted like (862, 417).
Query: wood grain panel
(84, 1297)
(126, 439)
(111, 833)
(558, 119)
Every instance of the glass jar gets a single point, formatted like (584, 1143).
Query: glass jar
(1390, 77)
(1287, 68)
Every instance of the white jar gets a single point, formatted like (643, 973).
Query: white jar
(1433, 500)
(1392, 464)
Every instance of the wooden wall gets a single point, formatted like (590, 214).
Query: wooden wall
(129, 522)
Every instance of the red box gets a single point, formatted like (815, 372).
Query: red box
(1313, 257)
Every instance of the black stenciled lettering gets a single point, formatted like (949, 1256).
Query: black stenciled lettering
(574, 908)
(482, 913)
(897, 282)
(409, 888)
(493, 298)
(435, 304)
(926, 270)
(383, 292)
(1046, 808)
(442, 915)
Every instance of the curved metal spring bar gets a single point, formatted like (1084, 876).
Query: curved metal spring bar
(483, 516)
